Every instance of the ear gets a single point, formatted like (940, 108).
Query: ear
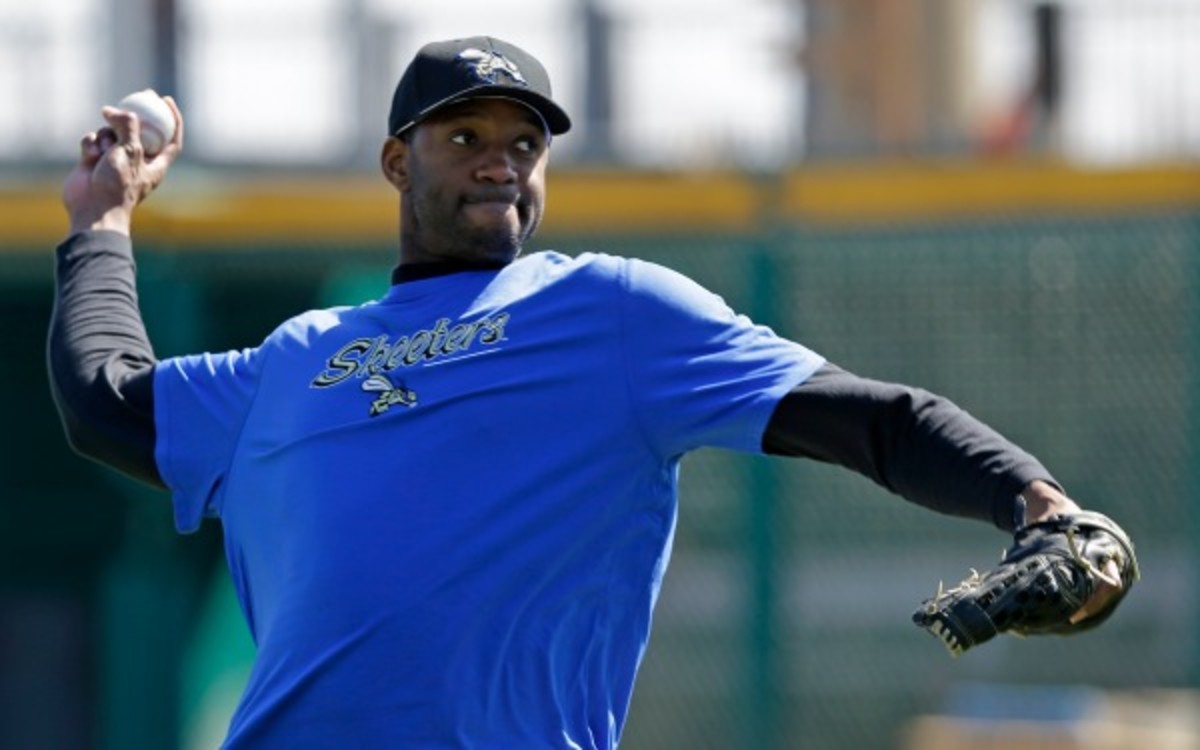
(394, 162)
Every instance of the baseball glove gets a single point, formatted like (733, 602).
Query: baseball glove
(1052, 568)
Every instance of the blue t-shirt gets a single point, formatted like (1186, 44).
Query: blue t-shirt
(447, 513)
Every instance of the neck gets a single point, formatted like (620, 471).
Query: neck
(428, 269)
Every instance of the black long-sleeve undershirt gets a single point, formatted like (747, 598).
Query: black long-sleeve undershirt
(914, 443)
(100, 359)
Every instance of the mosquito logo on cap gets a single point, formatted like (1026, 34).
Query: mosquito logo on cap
(488, 65)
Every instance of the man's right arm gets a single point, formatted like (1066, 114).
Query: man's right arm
(100, 360)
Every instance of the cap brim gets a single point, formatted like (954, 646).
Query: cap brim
(556, 120)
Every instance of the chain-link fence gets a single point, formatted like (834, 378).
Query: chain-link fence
(783, 621)
(1076, 338)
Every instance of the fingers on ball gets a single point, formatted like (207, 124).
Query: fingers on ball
(124, 124)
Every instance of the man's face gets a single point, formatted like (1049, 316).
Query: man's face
(473, 182)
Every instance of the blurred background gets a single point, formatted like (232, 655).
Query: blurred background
(997, 200)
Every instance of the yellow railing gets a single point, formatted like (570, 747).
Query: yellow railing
(323, 209)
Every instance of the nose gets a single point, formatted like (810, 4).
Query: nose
(496, 166)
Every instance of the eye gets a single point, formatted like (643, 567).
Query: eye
(527, 144)
(463, 137)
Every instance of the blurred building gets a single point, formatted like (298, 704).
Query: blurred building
(670, 84)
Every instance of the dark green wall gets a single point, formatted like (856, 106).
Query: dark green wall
(784, 618)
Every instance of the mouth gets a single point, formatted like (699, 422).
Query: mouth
(493, 198)
(493, 205)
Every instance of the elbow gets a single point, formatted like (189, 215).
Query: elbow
(74, 428)
(76, 436)
(81, 438)
(135, 460)
(126, 446)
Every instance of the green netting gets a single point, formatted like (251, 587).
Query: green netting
(1076, 338)
(783, 622)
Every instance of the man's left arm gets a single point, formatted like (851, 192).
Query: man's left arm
(916, 444)
(927, 450)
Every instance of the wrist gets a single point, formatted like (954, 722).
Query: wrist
(113, 220)
(1043, 500)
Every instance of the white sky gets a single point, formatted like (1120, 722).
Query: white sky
(688, 80)
(1132, 74)
(699, 82)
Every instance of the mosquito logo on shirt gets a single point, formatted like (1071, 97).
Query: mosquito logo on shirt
(390, 394)
(487, 66)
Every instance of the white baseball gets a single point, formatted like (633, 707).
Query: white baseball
(155, 116)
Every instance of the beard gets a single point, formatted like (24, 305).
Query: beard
(442, 228)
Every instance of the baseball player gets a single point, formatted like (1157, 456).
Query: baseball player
(447, 512)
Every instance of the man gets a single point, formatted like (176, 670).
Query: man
(447, 512)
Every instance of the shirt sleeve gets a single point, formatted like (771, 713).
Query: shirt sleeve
(99, 357)
(700, 374)
(916, 444)
(201, 402)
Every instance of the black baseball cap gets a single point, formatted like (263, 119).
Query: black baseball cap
(444, 73)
